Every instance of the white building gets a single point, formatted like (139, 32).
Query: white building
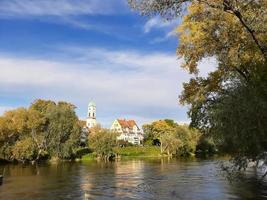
(91, 115)
(128, 130)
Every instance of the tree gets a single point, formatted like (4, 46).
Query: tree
(162, 131)
(174, 139)
(189, 137)
(7, 138)
(45, 129)
(238, 119)
(63, 130)
(230, 103)
(37, 131)
(12, 128)
(249, 15)
(25, 150)
(102, 142)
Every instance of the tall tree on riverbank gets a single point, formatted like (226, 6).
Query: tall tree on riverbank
(224, 103)
(63, 130)
(46, 129)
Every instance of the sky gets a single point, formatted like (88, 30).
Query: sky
(90, 50)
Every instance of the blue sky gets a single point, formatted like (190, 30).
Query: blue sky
(85, 50)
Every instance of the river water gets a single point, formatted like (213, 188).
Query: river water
(127, 179)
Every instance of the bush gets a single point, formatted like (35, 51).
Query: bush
(123, 143)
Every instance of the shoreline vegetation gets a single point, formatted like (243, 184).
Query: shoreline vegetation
(51, 131)
(130, 152)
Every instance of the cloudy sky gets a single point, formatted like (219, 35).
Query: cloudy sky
(82, 50)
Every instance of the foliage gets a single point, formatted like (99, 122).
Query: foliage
(174, 139)
(24, 150)
(102, 143)
(238, 119)
(82, 151)
(189, 138)
(229, 104)
(12, 127)
(138, 151)
(45, 129)
(206, 146)
(245, 17)
(123, 143)
(164, 131)
(89, 157)
(63, 130)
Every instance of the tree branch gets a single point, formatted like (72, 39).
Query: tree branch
(227, 7)
(235, 12)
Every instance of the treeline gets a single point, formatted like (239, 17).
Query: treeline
(172, 140)
(45, 130)
(49, 130)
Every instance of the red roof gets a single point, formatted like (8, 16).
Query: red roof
(127, 123)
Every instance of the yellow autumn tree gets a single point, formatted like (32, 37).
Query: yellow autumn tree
(230, 102)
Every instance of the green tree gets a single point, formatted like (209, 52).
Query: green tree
(63, 130)
(45, 129)
(174, 139)
(189, 138)
(102, 142)
(237, 120)
(25, 150)
(37, 132)
(230, 103)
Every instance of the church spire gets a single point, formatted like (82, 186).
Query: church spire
(91, 115)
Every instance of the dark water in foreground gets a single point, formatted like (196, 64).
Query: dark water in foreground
(129, 179)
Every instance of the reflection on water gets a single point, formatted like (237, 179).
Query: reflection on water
(129, 179)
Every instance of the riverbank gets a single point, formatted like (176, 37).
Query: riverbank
(138, 151)
(133, 151)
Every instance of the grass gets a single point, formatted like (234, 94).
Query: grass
(88, 157)
(133, 151)
(138, 151)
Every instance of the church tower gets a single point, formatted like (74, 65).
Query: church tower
(91, 115)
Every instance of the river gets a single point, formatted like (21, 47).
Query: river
(126, 179)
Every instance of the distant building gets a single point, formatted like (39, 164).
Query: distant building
(91, 115)
(128, 130)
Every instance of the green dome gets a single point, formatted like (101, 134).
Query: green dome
(91, 103)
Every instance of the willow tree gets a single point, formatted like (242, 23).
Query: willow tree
(230, 102)
(46, 129)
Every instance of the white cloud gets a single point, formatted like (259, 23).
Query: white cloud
(164, 38)
(123, 83)
(158, 22)
(18, 8)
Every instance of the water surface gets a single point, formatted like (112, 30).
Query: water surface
(126, 179)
